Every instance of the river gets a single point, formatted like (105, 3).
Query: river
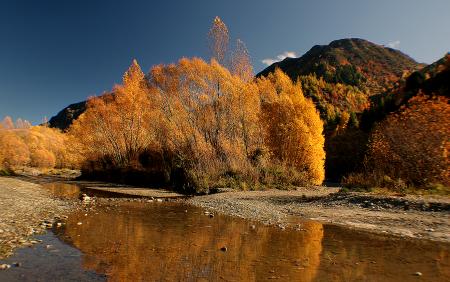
(170, 241)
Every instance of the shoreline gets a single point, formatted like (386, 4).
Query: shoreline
(416, 217)
(29, 210)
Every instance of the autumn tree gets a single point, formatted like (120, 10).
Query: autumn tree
(7, 123)
(241, 64)
(212, 130)
(293, 126)
(22, 124)
(218, 41)
(413, 144)
(116, 125)
(49, 147)
(15, 151)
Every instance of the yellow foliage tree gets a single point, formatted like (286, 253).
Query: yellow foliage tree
(15, 151)
(38, 146)
(293, 126)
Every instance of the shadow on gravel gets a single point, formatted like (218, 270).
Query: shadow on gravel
(364, 201)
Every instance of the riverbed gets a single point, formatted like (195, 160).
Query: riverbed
(144, 240)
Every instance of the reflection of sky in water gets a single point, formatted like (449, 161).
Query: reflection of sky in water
(140, 242)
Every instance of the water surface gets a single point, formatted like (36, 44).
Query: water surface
(135, 241)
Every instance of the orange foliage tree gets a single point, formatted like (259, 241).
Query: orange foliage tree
(209, 117)
(200, 125)
(116, 125)
(413, 144)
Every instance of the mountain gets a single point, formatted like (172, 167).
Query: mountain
(357, 62)
(67, 115)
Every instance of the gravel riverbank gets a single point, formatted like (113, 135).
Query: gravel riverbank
(424, 217)
(26, 209)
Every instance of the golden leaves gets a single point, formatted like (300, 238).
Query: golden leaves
(37, 146)
(292, 125)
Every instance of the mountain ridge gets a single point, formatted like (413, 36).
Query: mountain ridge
(352, 61)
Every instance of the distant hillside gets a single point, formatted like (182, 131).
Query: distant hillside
(432, 80)
(67, 115)
(346, 149)
(357, 62)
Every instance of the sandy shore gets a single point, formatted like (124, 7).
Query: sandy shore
(26, 209)
(424, 217)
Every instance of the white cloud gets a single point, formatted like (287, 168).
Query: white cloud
(280, 57)
(268, 61)
(394, 44)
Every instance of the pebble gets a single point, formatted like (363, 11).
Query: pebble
(86, 198)
(224, 249)
(59, 224)
(159, 200)
(418, 273)
(429, 229)
(253, 227)
(79, 223)
(4, 266)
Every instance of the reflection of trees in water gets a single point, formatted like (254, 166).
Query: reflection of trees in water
(358, 256)
(165, 243)
(62, 190)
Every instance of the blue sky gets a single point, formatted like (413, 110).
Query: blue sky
(53, 53)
